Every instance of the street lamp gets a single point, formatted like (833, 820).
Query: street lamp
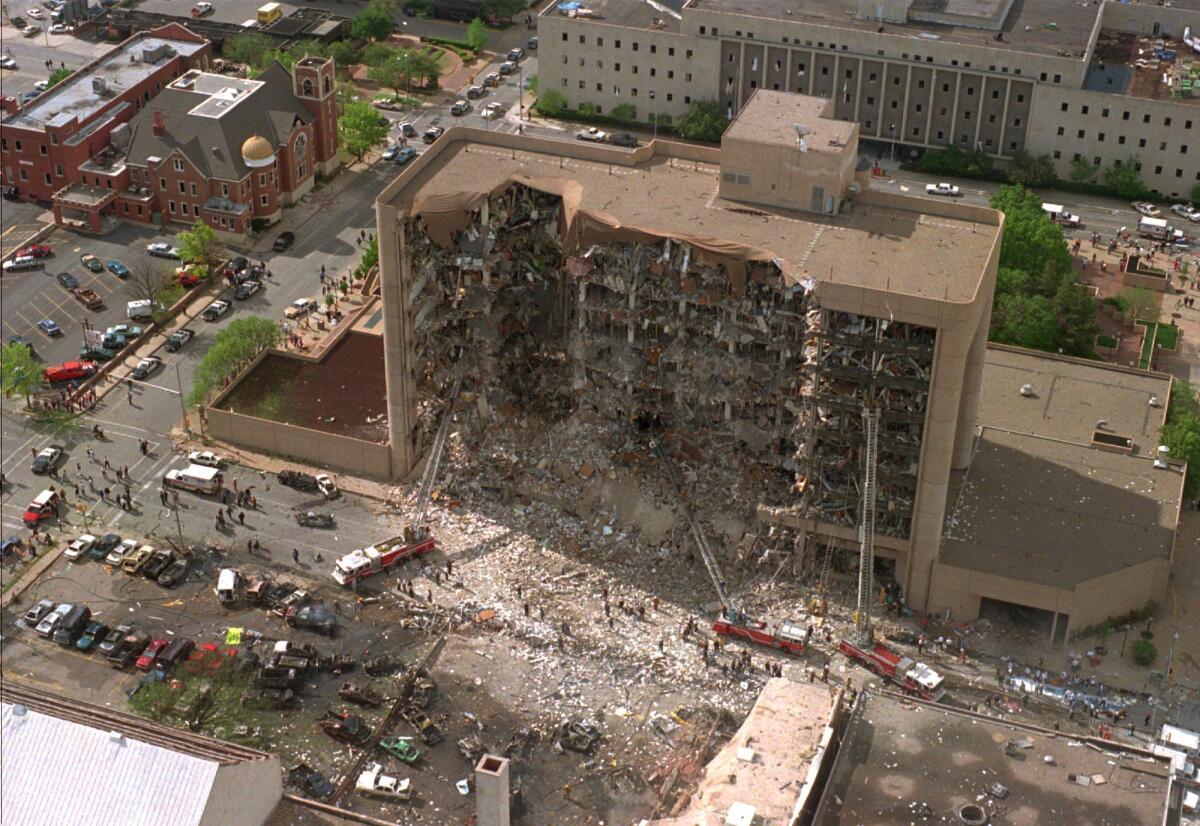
(892, 132)
(654, 98)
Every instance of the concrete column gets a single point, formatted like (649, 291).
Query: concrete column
(964, 430)
(394, 278)
(491, 791)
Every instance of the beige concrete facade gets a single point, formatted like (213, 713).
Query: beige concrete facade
(914, 84)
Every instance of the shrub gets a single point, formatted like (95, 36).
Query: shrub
(1144, 653)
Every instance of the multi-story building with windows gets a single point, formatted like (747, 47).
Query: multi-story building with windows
(1099, 82)
(145, 133)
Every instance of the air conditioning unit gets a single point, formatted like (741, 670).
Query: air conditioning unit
(99, 86)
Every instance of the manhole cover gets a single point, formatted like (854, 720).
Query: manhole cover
(972, 815)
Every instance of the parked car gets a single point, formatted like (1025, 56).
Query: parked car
(117, 268)
(190, 275)
(158, 563)
(532, 43)
(942, 189)
(79, 547)
(49, 623)
(21, 262)
(459, 107)
(146, 367)
(407, 129)
(1182, 210)
(49, 327)
(37, 613)
(68, 371)
(174, 573)
(314, 616)
(300, 308)
(99, 353)
(406, 154)
(43, 507)
(36, 251)
(135, 563)
(206, 458)
(91, 636)
(308, 483)
(118, 554)
(507, 67)
(91, 262)
(7, 62)
(285, 240)
(141, 309)
(150, 653)
(178, 339)
(1146, 208)
(516, 54)
(215, 310)
(592, 135)
(47, 459)
(103, 545)
(389, 154)
(161, 250)
(72, 626)
(61, 28)
(476, 91)
(128, 649)
(433, 133)
(67, 280)
(624, 139)
(112, 638)
(247, 289)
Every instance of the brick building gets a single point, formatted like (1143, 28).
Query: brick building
(146, 133)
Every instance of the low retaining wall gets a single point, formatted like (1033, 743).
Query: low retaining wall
(303, 444)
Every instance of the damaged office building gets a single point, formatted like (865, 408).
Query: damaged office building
(744, 306)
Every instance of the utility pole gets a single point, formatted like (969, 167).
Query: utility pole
(182, 407)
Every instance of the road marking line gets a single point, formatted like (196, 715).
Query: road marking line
(16, 454)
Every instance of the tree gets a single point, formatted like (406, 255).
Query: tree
(344, 55)
(1144, 653)
(374, 22)
(503, 9)
(1125, 179)
(1196, 195)
(1082, 170)
(359, 127)
(232, 349)
(1181, 434)
(1032, 242)
(624, 111)
(58, 76)
(477, 35)
(1030, 170)
(424, 67)
(1026, 321)
(247, 47)
(20, 374)
(703, 121)
(551, 103)
(376, 54)
(391, 73)
(147, 279)
(954, 162)
(588, 109)
(199, 245)
(1143, 303)
(1076, 313)
(1011, 281)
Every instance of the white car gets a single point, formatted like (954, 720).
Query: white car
(79, 547)
(146, 367)
(202, 9)
(161, 250)
(300, 307)
(1186, 211)
(489, 114)
(592, 134)
(215, 310)
(36, 14)
(117, 555)
(206, 458)
(942, 189)
(42, 85)
(372, 781)
(7, 62)
(61, 28)
(1146, 208)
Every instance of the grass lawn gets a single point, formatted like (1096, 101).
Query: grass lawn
(1165, 336)
(1106, 341)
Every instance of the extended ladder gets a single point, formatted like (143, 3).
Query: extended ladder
(435, 456)
(866, 526)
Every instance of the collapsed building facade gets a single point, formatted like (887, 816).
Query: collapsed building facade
(744, 305)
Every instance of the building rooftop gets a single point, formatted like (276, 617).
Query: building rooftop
(131, 63)
(1054, 27)
(1069, 396)
(660, 15)
(1039, 501)
(773, 117)
(900, 249)
(1128, 64)
(783, 731)
(904, 762)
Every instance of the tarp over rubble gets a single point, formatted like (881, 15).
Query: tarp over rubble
(448, 213)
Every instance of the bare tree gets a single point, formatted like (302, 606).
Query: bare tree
(147, 279)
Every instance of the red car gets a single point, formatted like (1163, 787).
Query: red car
(44, 507)
(36, 251)
(68, 370)
(146, 661)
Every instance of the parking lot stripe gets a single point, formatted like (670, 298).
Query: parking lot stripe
(17, 453)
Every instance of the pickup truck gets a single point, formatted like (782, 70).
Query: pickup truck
(942, 189)
(88, 298)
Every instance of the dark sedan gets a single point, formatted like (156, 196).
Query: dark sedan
(285, 240)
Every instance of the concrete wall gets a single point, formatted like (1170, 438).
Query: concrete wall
(314, 447)
(778, 175)
(244, 794)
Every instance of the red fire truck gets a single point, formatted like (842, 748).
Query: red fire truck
(364, 562)
(785, 636)
(914, 677)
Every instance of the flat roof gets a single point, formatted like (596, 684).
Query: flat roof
(1069, 396)
(659, 15)
(773, 117)
(1054, 27)
(899, 250)
(121, 69)
(903, 762)
(1124, 63)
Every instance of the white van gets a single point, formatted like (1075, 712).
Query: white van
(142, 310)
(195, 477)
(1059, 215)
(229, 586)
(1156, 228)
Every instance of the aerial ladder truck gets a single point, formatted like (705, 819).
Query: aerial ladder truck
(416, 541)
(732, 622)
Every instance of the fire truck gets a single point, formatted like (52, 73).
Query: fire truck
(364, 562)
(416, 540)
(914, 677)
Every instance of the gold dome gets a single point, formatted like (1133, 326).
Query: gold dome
(257, 149)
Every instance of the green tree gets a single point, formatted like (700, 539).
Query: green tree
(247, 47)
(503, 9)
(1144, 653)
(199, 245)
(588, 109)
(955, 162)
(1076, 313)
(344, 55)
(376, 54)
(703, 121)
(477, 34)
(391, 73)
(1030, 170)
(424, 67)
(1196, 195)
(1011, 281)
(1082, 170)
(232, 349)
(1032, 242)
(20, 374)
(1181, 433)
(374, 22)
(624, 111)
(1123, 176)
(58, 76)
(359, 127)
(551, 103)
(1143, 303)
(1026, 321)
